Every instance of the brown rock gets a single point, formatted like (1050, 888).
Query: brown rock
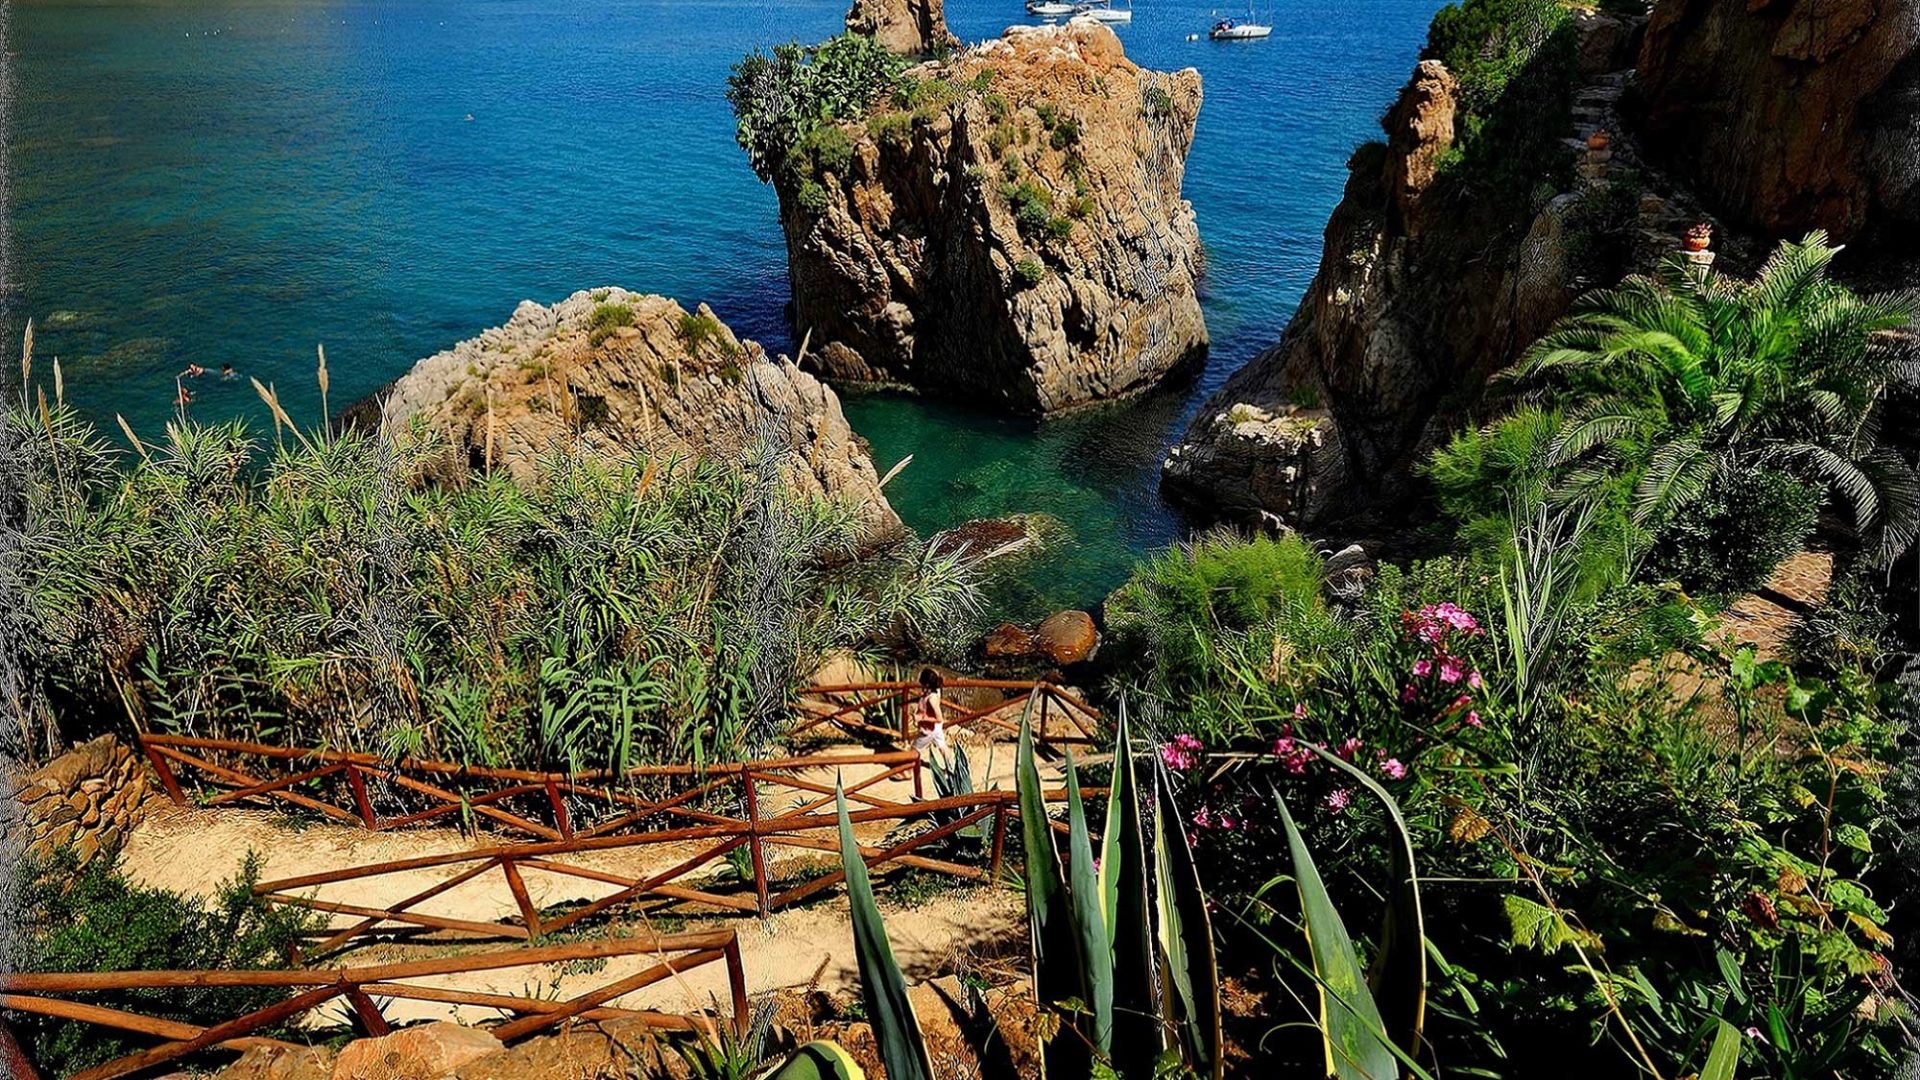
(423, 1052)
(1067, 637)
(908, 27)
(926, 263)
(573, 1055)
(89, 759)
(1793, 116)
(86, 846)
(1008, 642)
(672, 382)
(281, 1063)
(1419, 133)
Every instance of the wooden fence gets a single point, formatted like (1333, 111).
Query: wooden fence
(437, 790)
(984, 815)
(1059, 716)
(51, 995)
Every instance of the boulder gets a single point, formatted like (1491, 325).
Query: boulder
(281, 1063)
(908, 27)
(1007, 642)
(1067, 637)
(422, 1052)
(1023, 241)
(614, 372)
(987, 540)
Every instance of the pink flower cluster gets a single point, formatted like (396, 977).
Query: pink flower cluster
(1182, 753)
(1441, 627)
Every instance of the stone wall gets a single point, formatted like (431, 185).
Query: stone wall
(88, 798)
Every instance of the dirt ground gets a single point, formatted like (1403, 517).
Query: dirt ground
(938, 926)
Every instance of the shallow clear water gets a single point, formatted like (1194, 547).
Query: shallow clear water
(236, 182)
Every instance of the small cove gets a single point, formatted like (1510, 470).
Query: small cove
(236, 182)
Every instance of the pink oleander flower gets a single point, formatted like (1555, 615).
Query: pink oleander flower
(1348, 749)
(1409, 693)
(1226, 822)
(1473, 718)
(1451, 672)
(1338, 799)
(1461, 702)
(1182, 753)
(1203, 818)
(1299, 710)
(1474, 680)
(1393, 770)
(1422, 668)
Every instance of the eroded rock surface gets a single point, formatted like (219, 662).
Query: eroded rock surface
(908, 27)
(1790, 114)
(1019, 237)
(623, 372)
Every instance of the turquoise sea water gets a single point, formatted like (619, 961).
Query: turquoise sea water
(238, 181)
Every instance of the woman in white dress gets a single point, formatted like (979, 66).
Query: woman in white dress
(933, 722)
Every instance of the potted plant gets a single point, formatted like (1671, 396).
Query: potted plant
(1698, 237)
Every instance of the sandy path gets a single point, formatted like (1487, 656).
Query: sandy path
(193, 850)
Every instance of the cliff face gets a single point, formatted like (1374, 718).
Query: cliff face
(622, 372)
(1790, 115)
(908, 27)
(1016, 234)
(1430, 282)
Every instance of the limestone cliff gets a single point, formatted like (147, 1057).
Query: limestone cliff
(1789, 115)
(623, 372)
(1010, 231)
(908, 27)
(1432, 278)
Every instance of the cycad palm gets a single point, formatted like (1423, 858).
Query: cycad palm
(1680, 377)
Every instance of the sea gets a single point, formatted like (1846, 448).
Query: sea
(243, 181)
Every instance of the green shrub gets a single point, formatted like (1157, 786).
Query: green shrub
(1730, 541)
(94, 919)
(1027, 273)
(1515, 61)
(893, 129)
(780, 98)
(606, 319)
(1066, 134)
(811, 197)
(1155, 102)
(698, 329)
(828, 149)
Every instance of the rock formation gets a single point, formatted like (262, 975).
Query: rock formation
(1790, 115)
(620, 372)
(1018, 236)
(908, 27)
(1425, 289)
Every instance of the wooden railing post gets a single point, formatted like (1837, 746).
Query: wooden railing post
(518, 886)
(753, 841)
(918, 792)
(167, 779)
(562, 821)
(360, 801)
(369, 1013)
(906, 717)
(737, 987)
(12, 1058)
(999, 841)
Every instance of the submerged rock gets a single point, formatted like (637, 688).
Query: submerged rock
(991, 540)
(1017, 237)
(620, 372)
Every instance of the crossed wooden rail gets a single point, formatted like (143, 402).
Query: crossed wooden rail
(612, 802)
(712, 843)
(1059, 716)
(360, 986)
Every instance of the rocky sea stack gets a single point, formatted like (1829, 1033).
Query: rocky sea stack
(1005, 225)
(623, 372)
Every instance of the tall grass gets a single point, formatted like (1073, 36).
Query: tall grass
(377, 593)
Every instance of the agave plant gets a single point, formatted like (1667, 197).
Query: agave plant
(1122, 947)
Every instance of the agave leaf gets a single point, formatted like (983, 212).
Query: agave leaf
(1398, 978)
(1138, 1037)
(1724, 1055)
(1351, 1032)
(1089, 917)
(1186, 938)
(895, 1028)
(819, 1060)
(1058, 975)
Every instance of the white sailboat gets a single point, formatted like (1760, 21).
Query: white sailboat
(1104, 11)
(1048, 9)
(1235, 30)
